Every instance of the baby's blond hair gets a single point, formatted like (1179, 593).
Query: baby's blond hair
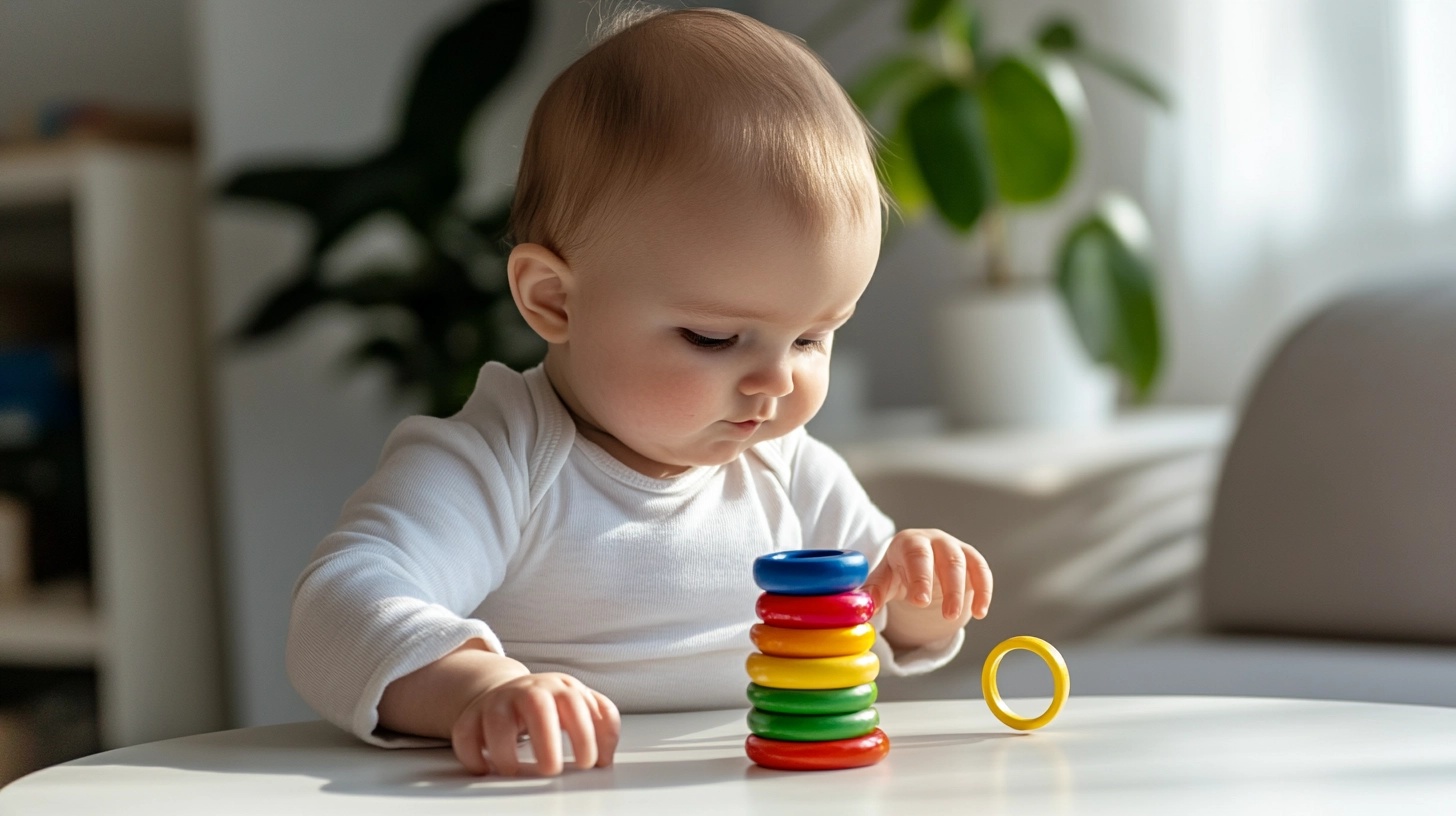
(712, 99)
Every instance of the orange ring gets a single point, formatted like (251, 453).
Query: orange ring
(781, 642)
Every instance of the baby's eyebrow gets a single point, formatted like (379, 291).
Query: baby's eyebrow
(715, 309)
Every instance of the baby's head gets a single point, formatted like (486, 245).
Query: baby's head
(697, 211)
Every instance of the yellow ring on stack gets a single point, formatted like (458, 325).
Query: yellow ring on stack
(813, 672)
(1061, 681)
(781, 642)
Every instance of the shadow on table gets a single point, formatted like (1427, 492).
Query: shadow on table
(346, 766)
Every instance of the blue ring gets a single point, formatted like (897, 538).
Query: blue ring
(810, 572)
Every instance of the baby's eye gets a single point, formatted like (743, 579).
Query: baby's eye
(710, 343)
(806, 344)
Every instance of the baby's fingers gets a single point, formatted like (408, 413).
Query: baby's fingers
(950, 568)
(917, 560)
(883, 585)
(979, 573)
(576, 720)
(608, 728)
(467, 739)
(501, 733)
(874, 587)
(538, 712)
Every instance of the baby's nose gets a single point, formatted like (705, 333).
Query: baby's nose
(775, 380)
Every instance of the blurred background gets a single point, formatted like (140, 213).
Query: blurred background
(234, 253)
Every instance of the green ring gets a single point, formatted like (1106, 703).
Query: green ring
(809, 728)
(813, 701)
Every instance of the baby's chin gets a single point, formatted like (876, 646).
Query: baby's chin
(727, 451)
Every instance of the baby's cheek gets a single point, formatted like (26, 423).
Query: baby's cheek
(674, 397)
(809, 390)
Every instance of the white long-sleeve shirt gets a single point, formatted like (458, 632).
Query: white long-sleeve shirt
(501, 523)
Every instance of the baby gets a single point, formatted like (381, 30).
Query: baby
(696, 213)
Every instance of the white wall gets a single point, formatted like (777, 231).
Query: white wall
(296, 435)
(125, 52)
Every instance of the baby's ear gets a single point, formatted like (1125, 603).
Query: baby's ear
(539, 279)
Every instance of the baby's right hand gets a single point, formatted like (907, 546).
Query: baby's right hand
(540, 706)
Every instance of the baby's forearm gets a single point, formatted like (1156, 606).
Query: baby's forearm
(427, 702)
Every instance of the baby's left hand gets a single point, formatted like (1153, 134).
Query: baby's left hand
(923, 564)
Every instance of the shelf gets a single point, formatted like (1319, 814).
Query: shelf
(54, 626)
(1043, 461)
(119, 224)
(37, 175)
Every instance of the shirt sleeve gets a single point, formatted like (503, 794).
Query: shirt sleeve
(836, 514)
(415, 551)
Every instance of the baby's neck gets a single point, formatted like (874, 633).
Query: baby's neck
(625, 455)
(611, 444)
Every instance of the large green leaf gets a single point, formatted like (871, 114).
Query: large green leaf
(284, 305)
(461, 68)
(418, 176)
(1060, 35)
(491, 224)
(895, 73)
(1032, 107)
(337, 197)
(947, 138)
(377, 287)
(1106, 276)
(972, 30)
(1126, 74)
(417, 190)
(923, 14)
(420, 172)
(302, 186)
(900, 175)
(402, 359)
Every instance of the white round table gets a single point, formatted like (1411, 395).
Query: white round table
(1114, 755)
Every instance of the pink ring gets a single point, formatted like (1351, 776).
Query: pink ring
(816, 611)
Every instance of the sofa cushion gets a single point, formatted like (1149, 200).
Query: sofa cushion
(1225, 665)
(1335, 513)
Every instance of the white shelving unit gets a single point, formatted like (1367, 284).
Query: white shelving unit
(151, 629)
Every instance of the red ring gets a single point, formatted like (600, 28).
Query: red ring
(855, 752)
(816, 611)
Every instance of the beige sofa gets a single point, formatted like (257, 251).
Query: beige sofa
(1330, 561)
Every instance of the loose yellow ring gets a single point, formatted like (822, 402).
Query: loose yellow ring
(1061, 681)
(781, 642)
(813, 672)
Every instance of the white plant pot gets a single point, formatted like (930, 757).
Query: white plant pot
(1013, 359)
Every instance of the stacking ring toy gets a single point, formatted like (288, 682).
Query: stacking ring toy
(812, 728)
(810, 572)
(772, 640)
(813, 701)
(1061, 681)
(815, 611)
(812, 672)
(855, 752)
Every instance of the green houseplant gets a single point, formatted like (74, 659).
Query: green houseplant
(971, 132)
(434, 319)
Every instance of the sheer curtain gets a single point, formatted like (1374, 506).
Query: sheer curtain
(1313, 149)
